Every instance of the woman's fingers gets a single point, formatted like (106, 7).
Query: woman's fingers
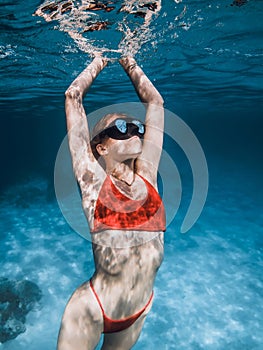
(128, 63)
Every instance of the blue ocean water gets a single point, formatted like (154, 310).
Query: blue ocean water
(206, 60)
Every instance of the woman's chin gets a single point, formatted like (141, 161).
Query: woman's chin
(134, 152)
(128, 149)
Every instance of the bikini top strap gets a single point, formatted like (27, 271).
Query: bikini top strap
(97, 297)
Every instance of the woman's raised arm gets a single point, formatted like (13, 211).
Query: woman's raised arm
(148, 161)
(77, 125)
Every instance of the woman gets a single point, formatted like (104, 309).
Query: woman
(117, 174)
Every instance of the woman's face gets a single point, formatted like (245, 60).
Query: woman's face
(120, 150)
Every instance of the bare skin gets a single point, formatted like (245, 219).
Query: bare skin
(124, 277)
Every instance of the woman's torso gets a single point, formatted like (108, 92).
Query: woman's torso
(126, 261)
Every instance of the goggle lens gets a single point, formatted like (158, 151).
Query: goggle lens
(140, 126)
(121, 125)
(122, 129)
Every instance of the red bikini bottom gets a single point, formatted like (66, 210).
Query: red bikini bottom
(112, 326)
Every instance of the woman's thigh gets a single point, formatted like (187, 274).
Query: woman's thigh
(82, 321)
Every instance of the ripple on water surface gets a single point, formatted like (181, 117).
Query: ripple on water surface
(200, 48)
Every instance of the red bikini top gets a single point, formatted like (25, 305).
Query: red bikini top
(117, 212)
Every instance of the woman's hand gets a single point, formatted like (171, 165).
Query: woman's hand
(100, 61)
(128, 63)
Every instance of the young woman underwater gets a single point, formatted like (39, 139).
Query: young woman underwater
(116, 169)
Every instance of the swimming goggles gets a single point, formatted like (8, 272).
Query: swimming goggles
(123, 129)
